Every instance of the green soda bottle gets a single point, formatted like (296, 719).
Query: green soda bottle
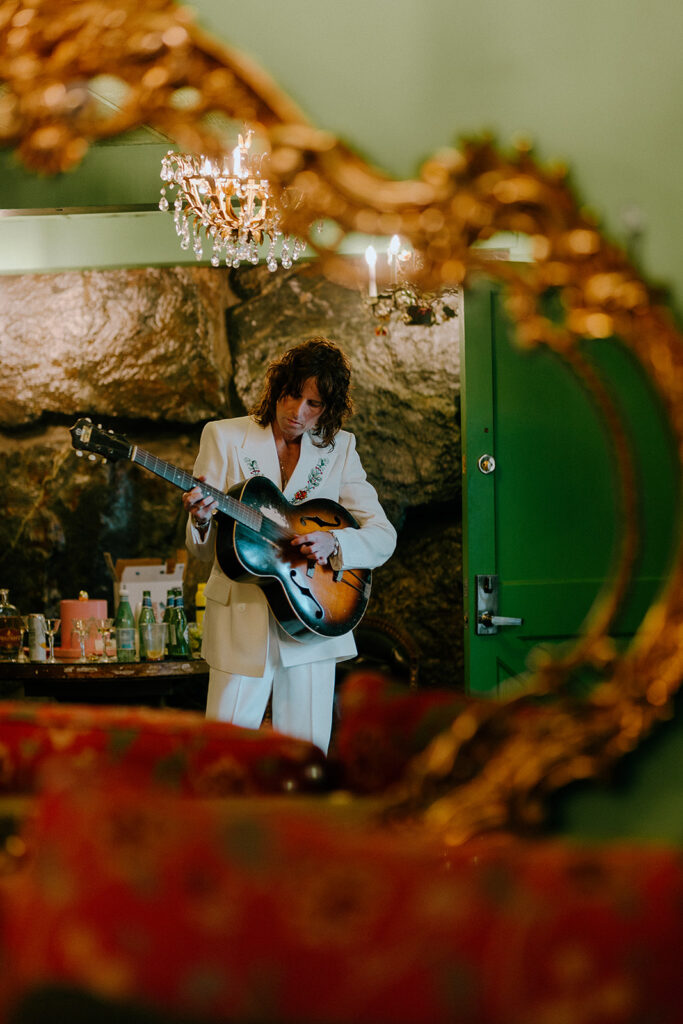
(167, 617)
(182, 636)
(124, 625)
(145, 617)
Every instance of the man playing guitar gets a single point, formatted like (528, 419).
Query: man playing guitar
(293, 438)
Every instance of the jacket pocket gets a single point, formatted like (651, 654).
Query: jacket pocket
(218, 589)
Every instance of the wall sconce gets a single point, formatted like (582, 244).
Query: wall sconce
(402, 297)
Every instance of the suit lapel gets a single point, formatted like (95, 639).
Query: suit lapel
(258, 455)
(309, 472)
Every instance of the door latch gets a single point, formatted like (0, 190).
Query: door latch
(488, 619)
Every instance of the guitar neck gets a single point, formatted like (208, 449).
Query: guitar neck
(185, 481)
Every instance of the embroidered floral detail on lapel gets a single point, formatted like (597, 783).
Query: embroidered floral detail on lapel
(314, 478)
(253, 466)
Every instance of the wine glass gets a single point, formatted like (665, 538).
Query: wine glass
(52, 628)
(104, 628)
(93, 630)
(24, 631)
(81, 629)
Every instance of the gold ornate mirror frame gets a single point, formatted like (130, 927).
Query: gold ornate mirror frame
(497, 762)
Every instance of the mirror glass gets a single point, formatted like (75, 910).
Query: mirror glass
(578, 295)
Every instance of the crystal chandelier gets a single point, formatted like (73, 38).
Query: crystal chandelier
(232, 202)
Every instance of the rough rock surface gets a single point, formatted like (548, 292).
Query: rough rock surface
(420, 591)
(126, 343)
(62, 513)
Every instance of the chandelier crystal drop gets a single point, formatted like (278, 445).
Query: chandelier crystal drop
(232, 202)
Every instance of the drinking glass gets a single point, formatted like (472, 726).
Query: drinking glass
(91, 651)
(24, 631)
(51, 629)
(153, 636)
(81, 628)
(104, 628)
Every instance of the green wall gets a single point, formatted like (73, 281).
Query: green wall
(597, 84)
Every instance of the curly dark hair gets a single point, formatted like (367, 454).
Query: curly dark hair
(319, 358)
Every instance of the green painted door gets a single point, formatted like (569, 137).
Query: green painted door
(544, 523)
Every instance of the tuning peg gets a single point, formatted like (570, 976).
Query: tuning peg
(99, 426)
(92, 458)
(79, 453)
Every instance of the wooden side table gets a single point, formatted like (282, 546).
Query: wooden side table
(150, 683)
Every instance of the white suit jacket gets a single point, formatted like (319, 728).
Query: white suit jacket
(236, 618)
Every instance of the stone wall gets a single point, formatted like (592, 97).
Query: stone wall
(154, 354)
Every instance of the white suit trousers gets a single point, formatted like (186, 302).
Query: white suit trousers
(303, 696)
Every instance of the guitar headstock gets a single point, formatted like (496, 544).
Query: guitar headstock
(86, 437)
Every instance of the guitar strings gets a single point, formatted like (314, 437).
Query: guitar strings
(185, 481)
(271, 532)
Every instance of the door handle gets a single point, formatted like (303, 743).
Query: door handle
(486, 619)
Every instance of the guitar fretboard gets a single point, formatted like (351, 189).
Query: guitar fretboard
(185, 481)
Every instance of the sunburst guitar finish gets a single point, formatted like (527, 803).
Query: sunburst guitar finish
(256, 525)
(310, 601)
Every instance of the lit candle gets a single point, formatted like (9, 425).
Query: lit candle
(237, 162)
(371, 260)
(392, 254)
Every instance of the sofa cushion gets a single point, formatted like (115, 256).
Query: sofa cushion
(180, 749)
(382, 725)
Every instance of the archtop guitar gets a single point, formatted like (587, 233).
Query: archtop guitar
(256, 525)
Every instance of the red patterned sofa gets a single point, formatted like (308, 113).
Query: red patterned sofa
(154, 904)
(178, 749)
(130, 896)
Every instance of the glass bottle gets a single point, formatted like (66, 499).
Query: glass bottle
(124, 624)
(168, 618)
(182, 635)
(200, 604)
(11, 629)
(146, 617)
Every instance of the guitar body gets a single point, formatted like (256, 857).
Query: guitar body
(310, 601)
(256, 525)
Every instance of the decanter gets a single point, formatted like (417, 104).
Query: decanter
(11, 629)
